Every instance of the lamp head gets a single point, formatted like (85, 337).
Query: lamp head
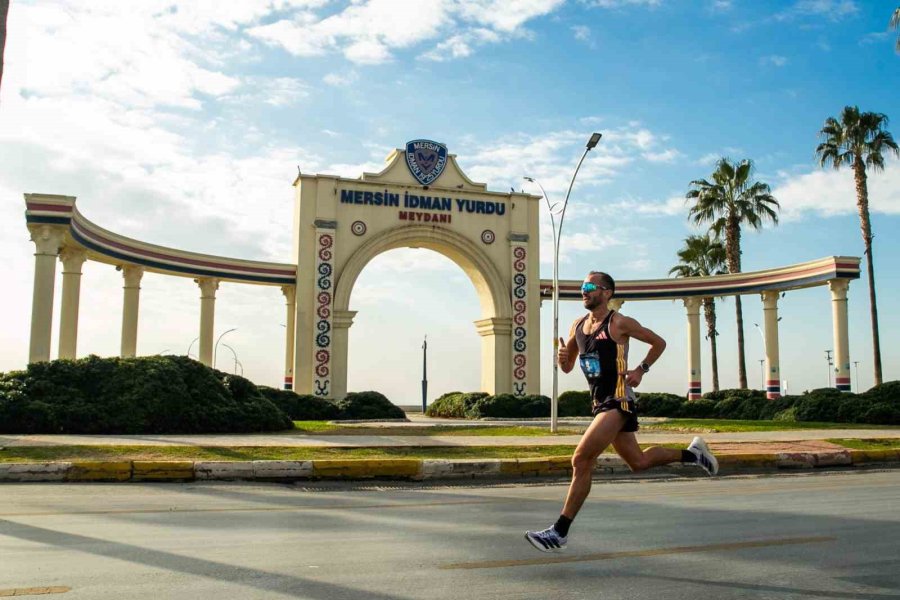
(595, 139)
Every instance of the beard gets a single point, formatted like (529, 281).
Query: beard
(591, 303)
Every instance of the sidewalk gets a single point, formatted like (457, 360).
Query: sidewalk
(752, 452)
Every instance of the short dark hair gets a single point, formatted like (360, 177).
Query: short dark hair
(607, 280)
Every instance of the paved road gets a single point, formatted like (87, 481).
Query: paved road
(820, 535)
(310, 440)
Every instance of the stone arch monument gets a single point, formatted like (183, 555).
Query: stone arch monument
(422, 199)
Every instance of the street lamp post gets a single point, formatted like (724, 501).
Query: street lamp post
(424, 373)
(830, 363)
(236, 361)
(216, 346)
(557, 232)
(856, 364)
(763, 360)
(191, 345)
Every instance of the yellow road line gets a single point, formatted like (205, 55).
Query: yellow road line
(497, 564)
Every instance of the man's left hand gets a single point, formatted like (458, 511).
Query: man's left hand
(633, 378)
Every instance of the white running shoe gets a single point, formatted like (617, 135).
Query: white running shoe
(705, 458)
(547, 540)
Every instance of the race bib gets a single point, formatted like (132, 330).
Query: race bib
(590, 364)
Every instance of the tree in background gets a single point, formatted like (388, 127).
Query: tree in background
(4, 11)
(703, 256)
(895, 24)
(858, 140)
(727, 203)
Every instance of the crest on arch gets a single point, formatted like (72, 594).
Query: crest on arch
(426, 160)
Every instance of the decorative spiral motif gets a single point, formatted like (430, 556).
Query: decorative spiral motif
(322, 359)
(324, 269)
(358, 228)
(325, 243)
(520, 307)
(488, 236)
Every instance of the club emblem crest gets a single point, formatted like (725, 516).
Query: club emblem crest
(426, 160)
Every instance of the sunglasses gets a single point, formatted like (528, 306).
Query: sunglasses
(587, 287)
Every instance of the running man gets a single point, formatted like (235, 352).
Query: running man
(599, 342)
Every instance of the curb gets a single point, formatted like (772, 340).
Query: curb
(401, 468)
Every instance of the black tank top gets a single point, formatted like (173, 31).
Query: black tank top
(601, 360)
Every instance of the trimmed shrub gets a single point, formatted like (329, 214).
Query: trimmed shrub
(574, 404)
(368, 405)
(659, 404)
(823, 404)
(154, 394)
(454, 405)
(510, 406)
(697, 409)
(301, 407)
(735, 393)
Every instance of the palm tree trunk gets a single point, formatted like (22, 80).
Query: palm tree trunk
(709, 309)
(862, 203)
(733, 252)
(4, 10)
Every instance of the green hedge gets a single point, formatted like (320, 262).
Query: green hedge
(301, 407)
(368, 405)
(454, 405)
(156, 394)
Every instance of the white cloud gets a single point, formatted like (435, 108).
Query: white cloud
(774, 60)
(664, 156)
(623, 3)
(339, 79)
(370, 31)
(829, 193)
(834, 10)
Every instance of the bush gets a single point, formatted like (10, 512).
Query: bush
(823, 404)
(574, 404)
(735, 393)
(510, 406)
(368, 405)
(156, 394)
(454, 405)
(659, 404)
(301, 407)
(697, 409)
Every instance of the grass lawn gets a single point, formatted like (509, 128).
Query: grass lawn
(876, 444)
(476, 429)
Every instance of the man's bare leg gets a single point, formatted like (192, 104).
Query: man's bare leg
(602, 431)
(627, 447)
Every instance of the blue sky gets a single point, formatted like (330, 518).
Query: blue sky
(183, 124)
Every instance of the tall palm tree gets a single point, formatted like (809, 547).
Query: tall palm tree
(4, 10)
(703, 256)
(727, 203)
(858, 140)
(895, 24)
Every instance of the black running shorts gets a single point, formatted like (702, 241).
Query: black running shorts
(627, 407)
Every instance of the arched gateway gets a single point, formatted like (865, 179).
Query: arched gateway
(421, 200)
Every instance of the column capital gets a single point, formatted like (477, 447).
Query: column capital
(132, 275)
(290, 293)
(72, 258)
(342, 319)
(770, 298)
(839, 288)
(208, 286)
(615, 303)
(692, 304)
(493, 326)
(47, 238)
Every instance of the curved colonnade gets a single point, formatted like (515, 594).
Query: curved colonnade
(61, 233)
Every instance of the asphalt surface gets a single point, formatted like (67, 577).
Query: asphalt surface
(812, 535)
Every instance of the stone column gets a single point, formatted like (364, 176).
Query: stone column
(208, 287)
(496, 355)
(342, 320)
(132, 275)
(72, 260)
(47, 240)
(770, 320)
(839, 289)
(695, 387)
(290, 297)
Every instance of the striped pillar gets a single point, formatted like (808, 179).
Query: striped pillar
(770, 320)
(839, 289)
(47, 240)
(208, 287)
(131, 274)
(72, 260)
(290, 297)
(692, 304)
